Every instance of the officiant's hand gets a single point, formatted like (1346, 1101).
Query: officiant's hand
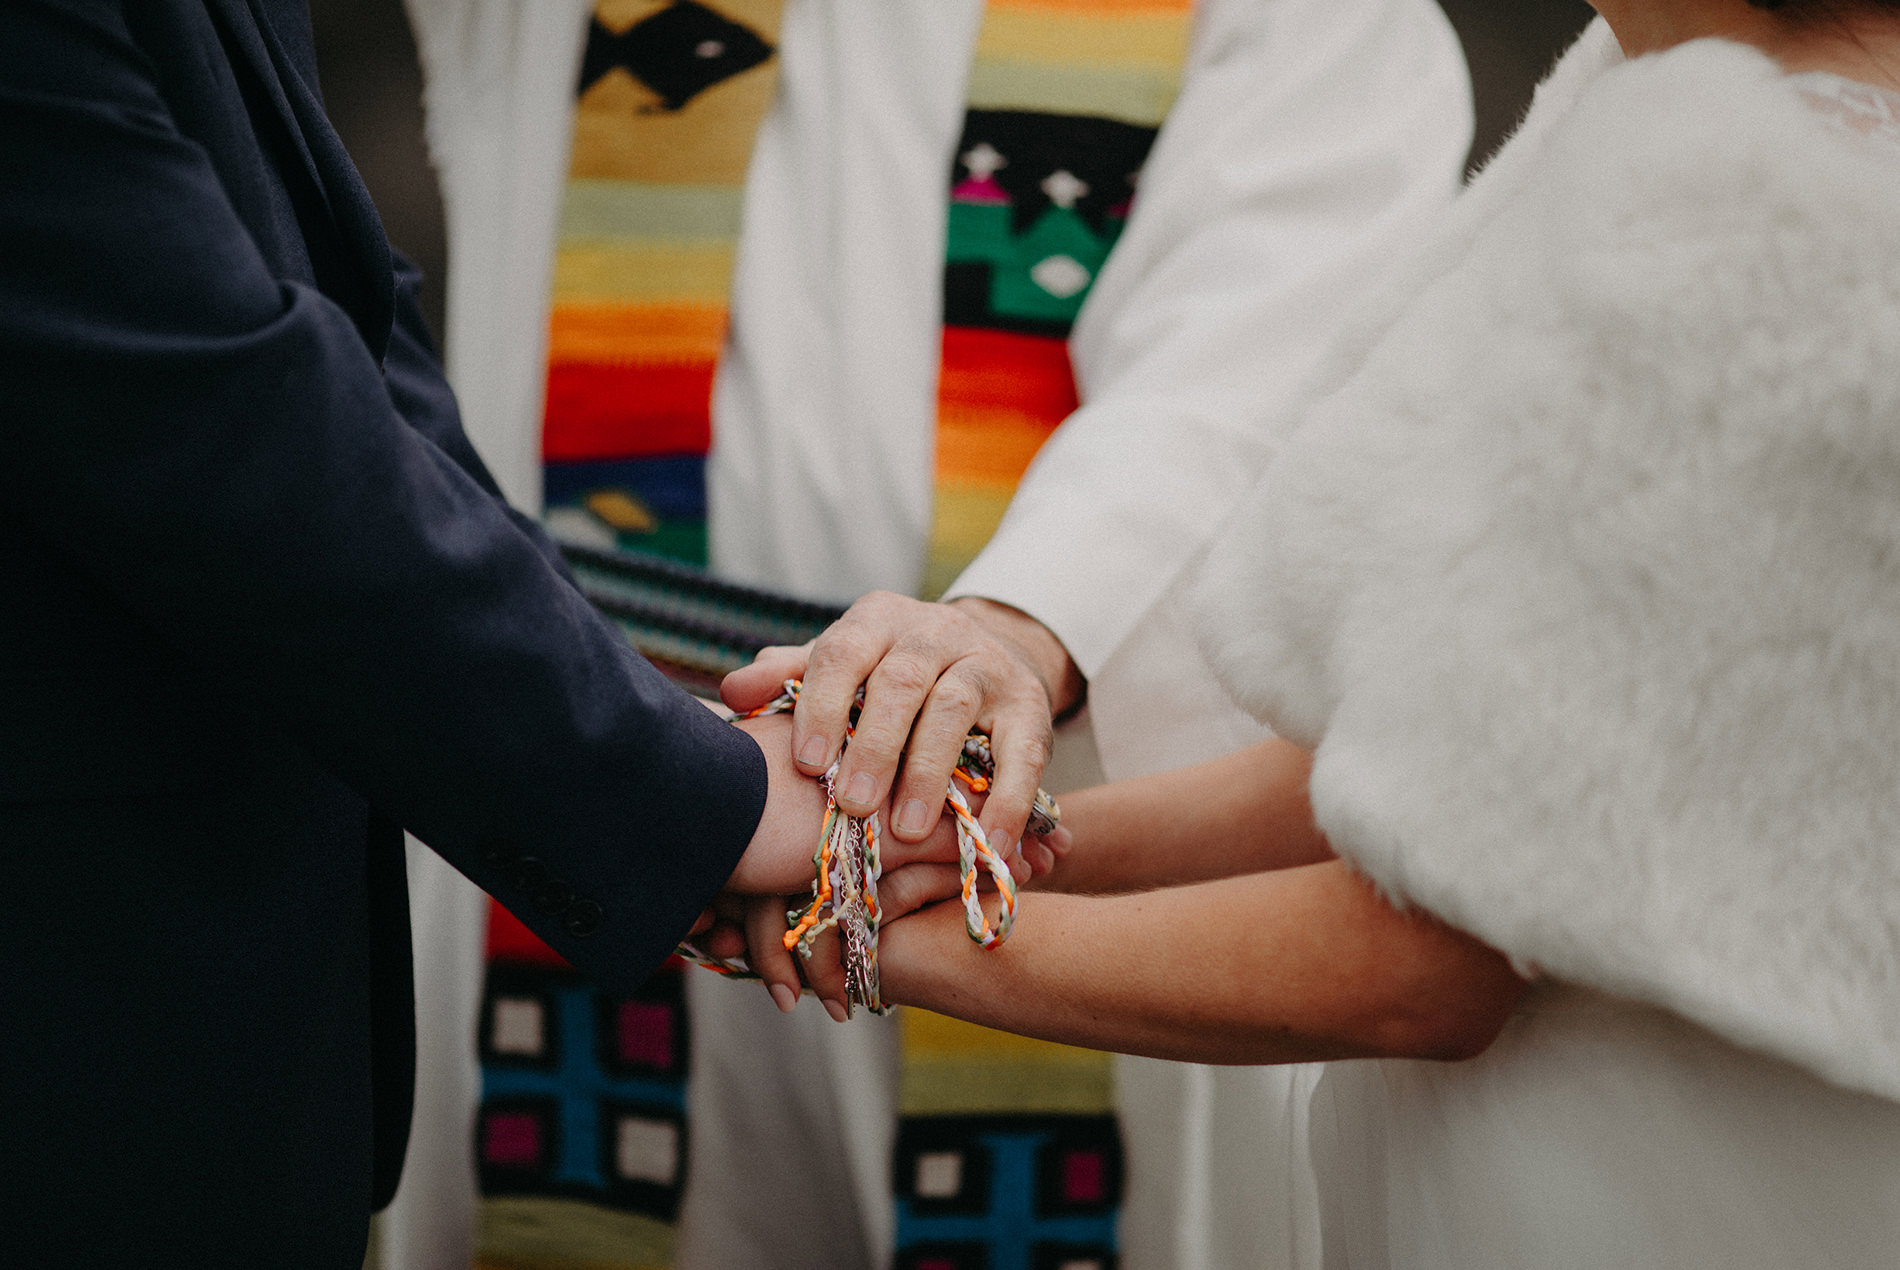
(748, 919)
(931, 673)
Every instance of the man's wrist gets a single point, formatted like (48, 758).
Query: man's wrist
(1037, 644)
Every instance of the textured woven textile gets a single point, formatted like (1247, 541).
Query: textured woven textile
(1008, 1152)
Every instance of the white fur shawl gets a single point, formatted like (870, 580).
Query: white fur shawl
(1586, 582)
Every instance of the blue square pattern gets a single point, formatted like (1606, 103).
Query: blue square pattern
(580, 1086)
(1009, 1228)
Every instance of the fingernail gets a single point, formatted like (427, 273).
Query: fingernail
(837, 1010)
(784, 998)
(913, 817)
(860, 790)
(813, 755)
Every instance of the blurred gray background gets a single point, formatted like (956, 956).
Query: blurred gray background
(374, 91)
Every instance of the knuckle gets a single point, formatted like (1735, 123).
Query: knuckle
(918, 643)
(1024, 725)
(963, 694)
(938, 626)
(1026, 687)
(969, 631)
(839, 647)
(899, 892)
(924, 781)
(1035, 747)
(874, 753)
(903, 675)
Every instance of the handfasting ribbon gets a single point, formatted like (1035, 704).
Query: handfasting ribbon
(848, 866)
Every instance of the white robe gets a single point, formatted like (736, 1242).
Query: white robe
(1308, 137)
(1312, 140)
(1586, 586)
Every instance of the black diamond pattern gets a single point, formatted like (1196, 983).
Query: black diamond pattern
(679, 52)
(1106, 153)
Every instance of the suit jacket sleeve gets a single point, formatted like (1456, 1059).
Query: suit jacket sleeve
(421, 394)
(219, 449)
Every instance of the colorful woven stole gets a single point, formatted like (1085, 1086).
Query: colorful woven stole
(581, 1135)
(1065, 97)
(671, 98)
(1008, 1155)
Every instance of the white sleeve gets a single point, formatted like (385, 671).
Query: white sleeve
(1310, 137)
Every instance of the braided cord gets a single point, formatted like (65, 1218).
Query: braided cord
(847, 864)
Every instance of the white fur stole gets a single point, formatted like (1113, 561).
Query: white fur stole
(1586, 583)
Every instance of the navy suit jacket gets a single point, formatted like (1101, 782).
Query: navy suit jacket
(261, 608)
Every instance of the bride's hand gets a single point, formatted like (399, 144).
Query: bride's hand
(754, 927)
(899, 892)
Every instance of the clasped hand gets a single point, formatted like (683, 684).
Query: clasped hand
(931, 674)
(775, 874)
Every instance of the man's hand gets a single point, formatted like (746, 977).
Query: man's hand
(779, 860)
(931, 673)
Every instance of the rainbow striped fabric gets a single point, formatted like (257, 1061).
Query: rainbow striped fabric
(1008, 1155)
(1065, 98)
(580, 1138)
(671, 98)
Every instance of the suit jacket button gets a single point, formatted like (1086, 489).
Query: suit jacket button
(528, 872)
(553, 896)
(583, 918)
(500, 851)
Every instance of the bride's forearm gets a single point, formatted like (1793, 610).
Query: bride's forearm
(1288, 966)
(1242, 813)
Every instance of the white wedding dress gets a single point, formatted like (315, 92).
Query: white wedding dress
(1597, 1134)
